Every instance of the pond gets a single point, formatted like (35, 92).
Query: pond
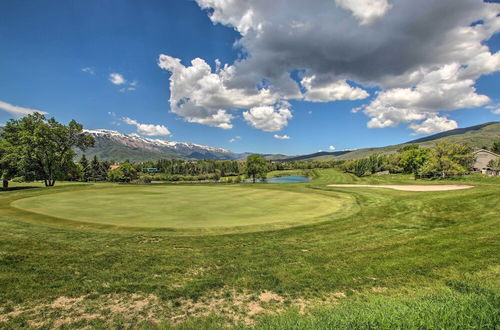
(288, 179)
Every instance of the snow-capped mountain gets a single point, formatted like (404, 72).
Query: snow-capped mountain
(117, 146)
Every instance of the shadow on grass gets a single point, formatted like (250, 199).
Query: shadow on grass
(18, 188)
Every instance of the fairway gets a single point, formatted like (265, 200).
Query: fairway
(182, 207)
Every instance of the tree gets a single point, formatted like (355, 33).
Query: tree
(85, 168)
(9, 161)
(408, 147)
(96, 170)
(361, 167)
(358, 167)
(413, 159)
(376, 163)
(256, 167)
(46, 146)
(125, 173)
(496, 147)
(494, 164)
(447, 159)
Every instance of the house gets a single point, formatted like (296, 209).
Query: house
(113, 167)
(481, 159)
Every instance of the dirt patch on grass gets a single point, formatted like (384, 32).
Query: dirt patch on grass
(436, 187)
(66, 303)
(234, 306)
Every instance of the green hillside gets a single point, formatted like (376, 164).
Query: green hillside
(476, 136)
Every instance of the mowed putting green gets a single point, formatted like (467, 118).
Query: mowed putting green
(184, 207)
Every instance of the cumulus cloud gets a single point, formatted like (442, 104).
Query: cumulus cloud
(236, 138)
(201, 96)
(117, 78)
(281, 137)
(496, 112)
(331, 148)
(147, 129)
(434, 124)
(326, 91)
(423, 56)
(17, 110)
(438, 90)
(268, 118)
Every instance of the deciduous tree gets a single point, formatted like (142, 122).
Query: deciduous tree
(46, 146)
(9, 162)
(413, 159)
(448, 159)
(256, 167)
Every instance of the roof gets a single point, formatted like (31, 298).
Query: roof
(487, 151)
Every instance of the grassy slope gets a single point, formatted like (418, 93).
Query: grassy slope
(404, 259)
(477, 138)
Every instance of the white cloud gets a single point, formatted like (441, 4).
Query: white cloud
(201, 96)
(88, 70)
(236, 138)
(147, 129)
(365, 11)
(434, 124)
(117, 78)
(17, 110)
(331, 148)
(496, 112)
(424, 57)
(281, 137)
(438, 90)
(326, 91)
(268, 118)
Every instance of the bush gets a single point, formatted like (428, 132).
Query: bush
(144, 179)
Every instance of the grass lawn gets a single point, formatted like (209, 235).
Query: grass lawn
(183, 207)
(269, 256)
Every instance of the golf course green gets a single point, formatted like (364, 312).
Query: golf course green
(198, 206)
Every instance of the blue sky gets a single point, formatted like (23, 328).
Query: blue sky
(45, 45)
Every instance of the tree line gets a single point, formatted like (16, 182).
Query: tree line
(37, 148)
(443, 160)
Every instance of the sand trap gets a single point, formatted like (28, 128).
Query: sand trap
(440, 187)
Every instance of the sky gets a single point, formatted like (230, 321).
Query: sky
(287, 76)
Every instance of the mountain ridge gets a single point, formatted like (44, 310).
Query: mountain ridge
(476, 136)
(113, 145)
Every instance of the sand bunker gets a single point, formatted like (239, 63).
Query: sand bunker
(440, 187)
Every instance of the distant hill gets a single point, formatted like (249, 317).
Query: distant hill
(314, 155)
(476, 136)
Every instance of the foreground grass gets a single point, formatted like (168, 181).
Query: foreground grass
(398, 260)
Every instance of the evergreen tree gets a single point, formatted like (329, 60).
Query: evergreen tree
(96, 172)
(84, 163)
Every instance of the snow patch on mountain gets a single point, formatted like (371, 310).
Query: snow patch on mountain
(160, 145)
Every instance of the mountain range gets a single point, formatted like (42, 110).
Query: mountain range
(113, 145)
